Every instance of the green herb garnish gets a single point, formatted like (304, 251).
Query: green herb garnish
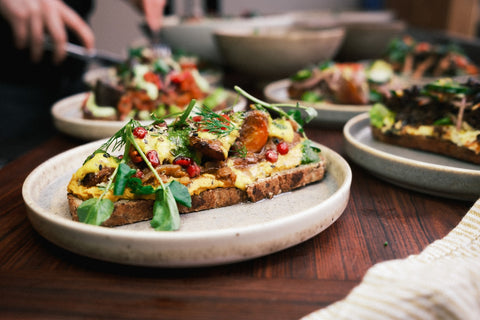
(215, 123)
(165, 211)
(310, 152)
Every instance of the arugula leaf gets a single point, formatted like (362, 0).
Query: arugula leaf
(95, 211)
(310, 152)
(297, 116)
(124, 173)
(180, 193)
(165, 211)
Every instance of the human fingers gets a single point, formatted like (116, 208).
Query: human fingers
(35, 29)
(16, 12)
(75, 23)
(153, 11)
(55, 28)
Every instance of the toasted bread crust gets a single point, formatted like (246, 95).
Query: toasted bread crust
(131, 211)
(429, 144)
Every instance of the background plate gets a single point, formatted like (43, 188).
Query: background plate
(413, 169)
(334, 115)
(210, 237)
(68, 118)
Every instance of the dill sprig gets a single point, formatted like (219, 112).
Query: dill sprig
(215, 123)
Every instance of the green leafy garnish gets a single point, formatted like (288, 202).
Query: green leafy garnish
(165, 211)
(95, 211)
(161, 66)
(380, 115)
(443, 121)
(310, 152)
(179, 138)
(446, 85)
(215, 123)
(301, 75)
(180, 193)
(135, 184)
(124, 173)
(311, 96)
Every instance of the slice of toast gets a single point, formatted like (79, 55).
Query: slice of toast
(430, 144)
(131, 211)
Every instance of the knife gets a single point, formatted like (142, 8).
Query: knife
(79, 52)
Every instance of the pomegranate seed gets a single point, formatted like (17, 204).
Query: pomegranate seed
(197, 118)
(282, 147)
(152, 156)
(182, 161)
(138, 174)
(140, 132)
(193, 170)
(271, 155)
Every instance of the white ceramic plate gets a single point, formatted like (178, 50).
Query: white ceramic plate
(210, 237)
(67, 118)
(335, 115)
(413, 169)
(213, 76)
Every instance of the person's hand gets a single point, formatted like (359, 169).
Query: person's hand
(153, 11)
(31, 20)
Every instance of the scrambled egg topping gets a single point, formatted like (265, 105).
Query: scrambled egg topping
(462, 137)
(279, 128)
(246, 176)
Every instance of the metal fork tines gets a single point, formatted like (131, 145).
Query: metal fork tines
(79, 52)
(159, 48)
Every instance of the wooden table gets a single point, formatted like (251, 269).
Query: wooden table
(39, 280)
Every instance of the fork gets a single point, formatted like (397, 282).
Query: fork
(159, 48)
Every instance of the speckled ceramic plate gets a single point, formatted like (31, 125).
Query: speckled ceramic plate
(333, 115)
(67, 118)
(416, 170)
(210, 237)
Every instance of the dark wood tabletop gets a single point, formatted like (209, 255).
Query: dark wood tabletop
(39, 280)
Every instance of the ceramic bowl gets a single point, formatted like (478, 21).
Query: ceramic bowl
(368, 40)
(196, 36)
(276, 52)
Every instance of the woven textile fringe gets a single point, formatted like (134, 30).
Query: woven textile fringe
(442, 282)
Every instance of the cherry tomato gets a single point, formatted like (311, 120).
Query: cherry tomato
(182, 161)
(153, 78)
(282, 148)
(178, 77)
(140, 132)
(193, 170)
(152, 156)
(271, 155)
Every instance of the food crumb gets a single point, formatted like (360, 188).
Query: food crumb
(385, 243)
